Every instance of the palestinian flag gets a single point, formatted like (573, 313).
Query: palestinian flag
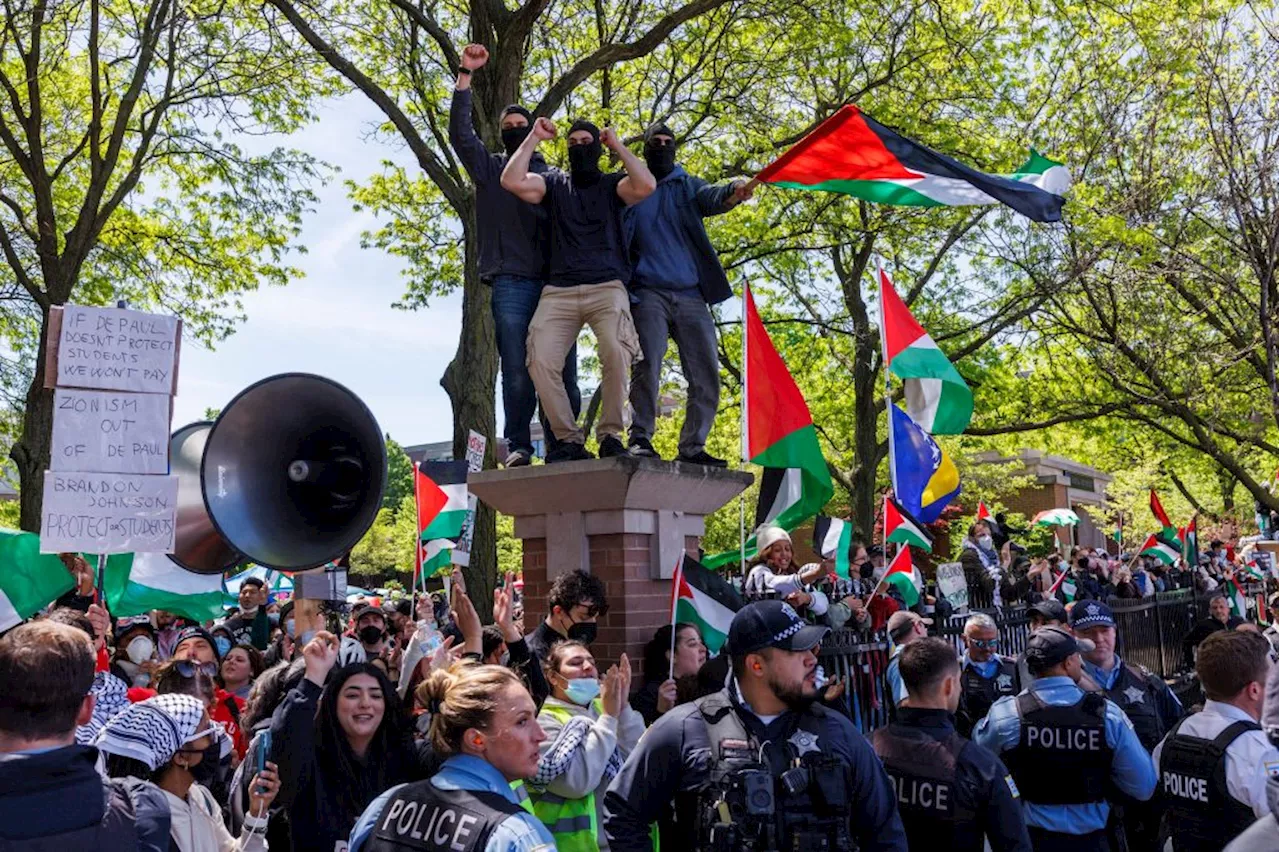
(1237, 599)
(779, 437)
(135, 583)
(832, 537)
(1170, 531)
(701, 597)
(901, 528)
(1191, 543)
(1159, 548)
(29, 580)
(850, 153)
(904, 576)
(1068, 588)
(442, 499)
(983, 514)
(435, 558)
(937, 397)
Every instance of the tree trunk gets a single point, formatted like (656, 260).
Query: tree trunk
(1227, 486)
(469, 380)
(866, 414)
(31, 452)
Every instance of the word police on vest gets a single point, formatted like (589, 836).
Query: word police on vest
(445, 826)
(1184, 787)
(923, 793)
(1064, 739)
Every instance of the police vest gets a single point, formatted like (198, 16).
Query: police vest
(1200, 815)
(1134, 692)
(978, 693)
(1062, 756)
(800, 820)
(420, 816)
(923, 772)
(572, 822)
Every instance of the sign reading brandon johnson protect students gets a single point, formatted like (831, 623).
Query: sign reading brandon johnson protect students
(108, 489)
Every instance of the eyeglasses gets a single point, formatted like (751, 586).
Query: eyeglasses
(985, 644)
(189, 668)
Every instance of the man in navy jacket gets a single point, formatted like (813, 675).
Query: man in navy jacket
(512, 241)
(676, 277)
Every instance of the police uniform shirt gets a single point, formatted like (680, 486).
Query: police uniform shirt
(674, 755)
(1167, 707)
(521, 832)
(897, 688)
(1251, 759)
(1131, 768)
(1001, 678)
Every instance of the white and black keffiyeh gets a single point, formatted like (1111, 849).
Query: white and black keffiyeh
(555, 762)
(111, 695)
(152, 731)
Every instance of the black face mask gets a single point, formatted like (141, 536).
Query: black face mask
(512, 137)
(371, 634)
(661, 159)
(582, 631)
(584, 162)
(207, 769)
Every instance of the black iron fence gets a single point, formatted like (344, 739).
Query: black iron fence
(1149, 630)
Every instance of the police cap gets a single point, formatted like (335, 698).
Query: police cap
(771, 624)
(1049, 646)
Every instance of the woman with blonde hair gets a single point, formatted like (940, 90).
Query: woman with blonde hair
(484, 722)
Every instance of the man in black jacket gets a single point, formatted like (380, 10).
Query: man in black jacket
(51, 795)
(677, 277)
(512, 240)
(1220, 618)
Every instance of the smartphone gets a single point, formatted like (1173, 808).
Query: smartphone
(261, 753)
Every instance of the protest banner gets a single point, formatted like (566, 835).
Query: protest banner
(86, 512)
(110, 432)
(112, 349)
(952, 585)
(476, 444)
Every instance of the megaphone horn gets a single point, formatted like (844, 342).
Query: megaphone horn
(291, 476)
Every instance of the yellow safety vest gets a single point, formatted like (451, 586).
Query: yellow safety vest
(572, 822)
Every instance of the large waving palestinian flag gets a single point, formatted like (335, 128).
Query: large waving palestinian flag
(853, 154)
(440, 488)
(937, 396)
(901, 528)
(1160, 548)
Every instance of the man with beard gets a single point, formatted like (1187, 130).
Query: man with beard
(677, 276)
(589, 272)
(511, 240)
(757, 765)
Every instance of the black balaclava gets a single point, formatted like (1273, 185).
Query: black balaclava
(661, 159)
(584, 160)
(512, 137)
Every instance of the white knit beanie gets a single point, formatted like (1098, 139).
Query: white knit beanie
(768, 535)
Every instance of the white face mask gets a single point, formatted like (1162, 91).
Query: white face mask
(985, 542)
(140, 649)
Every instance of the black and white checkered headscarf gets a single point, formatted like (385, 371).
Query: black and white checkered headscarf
(153, 730)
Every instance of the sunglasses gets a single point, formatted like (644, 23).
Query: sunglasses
(985, 644)
(188, 668)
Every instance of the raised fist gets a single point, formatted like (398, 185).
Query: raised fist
(544, 128)
(474, 56)
(610, 139)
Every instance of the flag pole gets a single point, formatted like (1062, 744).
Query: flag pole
(675, 598)
(743, 445)
(888, 411)
(417, 543)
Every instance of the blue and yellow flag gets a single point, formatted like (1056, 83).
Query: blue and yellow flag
(924, 478)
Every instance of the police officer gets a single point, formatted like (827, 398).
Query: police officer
(904, 627)
(758, 765)
(1050, 613)
(485, 722)
(1214, 766)
(1144, 696)
(985, 675)
(951, 792)
(1065, 748)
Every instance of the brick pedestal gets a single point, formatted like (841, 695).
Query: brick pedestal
(625, 520)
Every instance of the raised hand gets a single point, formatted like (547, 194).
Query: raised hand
(474, 56)
(610, 139)
(468, 621)
(101, 622)
(667, 695)
(320, 654)
(743, 190)
(544, 128)
(502, 609)
(624, 672)
(612, 694)
(263, 789)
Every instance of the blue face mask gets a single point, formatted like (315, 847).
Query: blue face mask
(581, 690)
(288, 627)
(224, 645)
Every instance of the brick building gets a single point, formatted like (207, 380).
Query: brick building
(1060, 483)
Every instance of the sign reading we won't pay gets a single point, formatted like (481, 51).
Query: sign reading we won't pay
(108, 488)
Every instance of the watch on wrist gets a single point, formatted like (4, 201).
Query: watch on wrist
(462, 71)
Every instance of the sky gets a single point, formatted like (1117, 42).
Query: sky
(337, 321)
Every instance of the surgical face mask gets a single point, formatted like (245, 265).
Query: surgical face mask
(288, 627)
(223, 644)
(140, 649)
(582, 631)
(371, 634)
(513, 137)
(985, 542)
(581, 690)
